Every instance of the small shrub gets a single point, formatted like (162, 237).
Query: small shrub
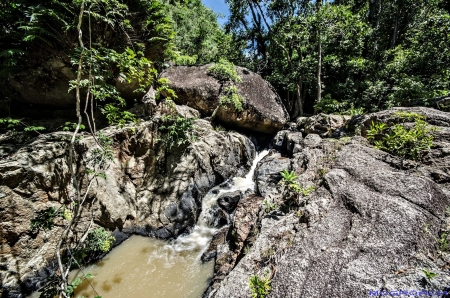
(224, 71)
(186, 60)
(269, 207)
(34, 128)
(177, 131)
(14, 124)
(307, 190)
(164, 90)
(398, 140)
(288, 177)
(429, 275)
(352, 111)
(259, 287)
(44, 219)
(116, 116)
(232, 97)
(331, 106)
(99, 240)
(9, 122)
(442, 242)
(72, 126)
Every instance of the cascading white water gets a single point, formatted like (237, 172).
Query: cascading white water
(203, 231)
(148, 267)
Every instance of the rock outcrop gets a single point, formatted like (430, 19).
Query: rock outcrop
(148, 190)
(45, 84)
(263, 110)
(374, 222)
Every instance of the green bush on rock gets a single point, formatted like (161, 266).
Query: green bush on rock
(177, 131)
(224, 71)
(398, 139)
(259, 287)
(232, 97)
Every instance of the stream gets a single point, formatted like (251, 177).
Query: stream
(149, 267)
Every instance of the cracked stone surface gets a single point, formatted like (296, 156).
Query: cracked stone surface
(373, 223)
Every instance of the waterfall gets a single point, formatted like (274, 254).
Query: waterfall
(203, 231)
(149, 267)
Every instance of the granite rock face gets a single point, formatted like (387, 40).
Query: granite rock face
(262, 111)
(373, 223)
(148, 190)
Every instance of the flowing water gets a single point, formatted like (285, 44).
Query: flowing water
(148, 267)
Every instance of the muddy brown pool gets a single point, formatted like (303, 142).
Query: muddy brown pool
(147, 267)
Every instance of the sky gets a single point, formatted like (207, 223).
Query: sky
(218, 6)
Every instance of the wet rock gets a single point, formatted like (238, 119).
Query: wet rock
(267, 174)
(221, 218)
(245, 220)
(229, 201)
(263, 110)
(278, 142)
(293, 142)
(219, 238)
(240, 234)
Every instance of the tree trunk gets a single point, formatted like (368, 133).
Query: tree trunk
(298, 106)
(395, 34)
(319, 69)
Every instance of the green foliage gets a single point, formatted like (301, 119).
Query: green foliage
(199, 38)
(74, 284)
(332, 106)
(400, 140)
(98, 240)
(134, 67)
(72, 126)
(260, 287)
(224, 71)
(288, 177)
(116, 116)
(233, 98)
(177, 131)
(14, 124)
(186, 60)
(429, 275)
(443, 242)
(44, 219)
(34, 128)
(374, 54)
(164, 89)
(269, 207)
(9, 122)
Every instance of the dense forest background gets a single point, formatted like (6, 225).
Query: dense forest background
(344, 56)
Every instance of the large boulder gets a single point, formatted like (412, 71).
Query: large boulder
(45, 84)
(263, 110)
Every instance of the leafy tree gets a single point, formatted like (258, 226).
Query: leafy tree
(198, 34)
(369, 54)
